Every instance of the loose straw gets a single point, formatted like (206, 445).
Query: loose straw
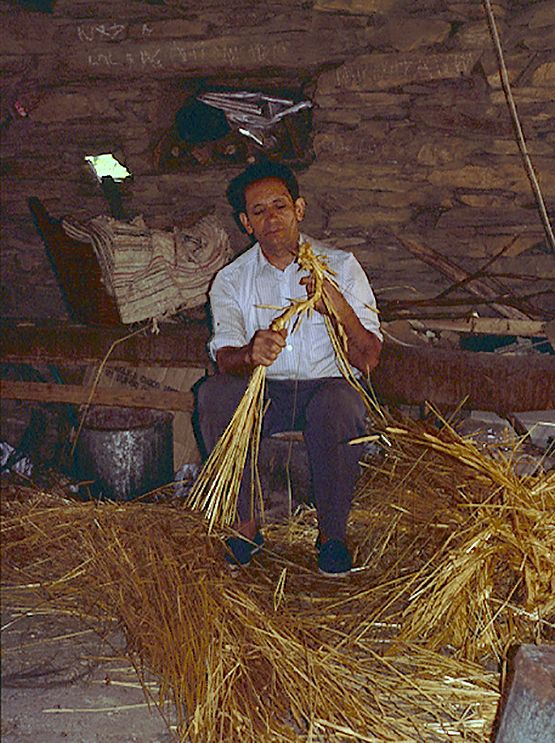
(458, 555)
(96, 381)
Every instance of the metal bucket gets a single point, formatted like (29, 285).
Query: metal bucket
(125, 452)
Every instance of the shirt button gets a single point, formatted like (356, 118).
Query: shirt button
(288, 347)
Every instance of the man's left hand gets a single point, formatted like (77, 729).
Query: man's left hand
(363, 347)
(332, 293)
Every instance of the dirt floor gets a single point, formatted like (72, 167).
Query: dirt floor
(61, 682)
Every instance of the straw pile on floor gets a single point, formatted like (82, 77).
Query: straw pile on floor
(456, 564)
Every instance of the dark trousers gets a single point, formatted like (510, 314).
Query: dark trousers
(328, 411)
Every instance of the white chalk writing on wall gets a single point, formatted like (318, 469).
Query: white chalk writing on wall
(143, 57)
(230, 53)
(190, 53)
(396, 68)
(150, 59)
(335, 146)
(177, 55)
(109, 32)
(101, 32)
(103, 59)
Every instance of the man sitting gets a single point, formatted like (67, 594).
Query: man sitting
(305, 388)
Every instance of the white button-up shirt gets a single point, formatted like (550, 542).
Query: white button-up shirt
(250, 292)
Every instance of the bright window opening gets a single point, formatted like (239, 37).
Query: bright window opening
(107, 165)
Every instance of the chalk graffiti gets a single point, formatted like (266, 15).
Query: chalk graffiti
(150, 59)
(232, 54)
(175, 55)
(337, 147)
(109, 32)
(103, 59)
(282, 49)
(102, 32)
(146, 58)
(184, 54)
(398, 69)
(260, 52)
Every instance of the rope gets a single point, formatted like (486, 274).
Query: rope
(518, 128)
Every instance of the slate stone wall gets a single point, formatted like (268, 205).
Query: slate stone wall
(411, 130)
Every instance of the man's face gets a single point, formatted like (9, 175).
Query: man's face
(273, 218)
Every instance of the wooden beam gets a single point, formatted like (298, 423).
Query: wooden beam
(486, 325)
(405, 375)
(176, 345)
(79, 395)
(484, 288)
(77, 269)
(445, 377)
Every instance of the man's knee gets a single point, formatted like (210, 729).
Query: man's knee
(219, 391)
(217, 399)
(337, 402)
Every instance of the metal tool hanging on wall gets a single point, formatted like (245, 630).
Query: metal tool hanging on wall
(253, 114)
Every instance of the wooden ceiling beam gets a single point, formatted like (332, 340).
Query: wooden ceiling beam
(179, 345)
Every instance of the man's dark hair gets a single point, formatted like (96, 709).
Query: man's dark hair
(256, 172)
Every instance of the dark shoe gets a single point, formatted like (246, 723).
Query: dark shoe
(334, 559)
(241, 549)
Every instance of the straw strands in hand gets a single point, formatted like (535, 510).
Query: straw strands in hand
(216, 488)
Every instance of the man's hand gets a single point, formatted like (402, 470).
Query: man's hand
(363, 347)
(329, 288)
(262, 350)
(265, 346)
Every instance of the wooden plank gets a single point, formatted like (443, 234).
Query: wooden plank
(77, 269)
(404, 375)
(79, 395)
(487, 325)
(479, 287)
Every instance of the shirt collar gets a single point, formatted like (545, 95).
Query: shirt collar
(263, 264)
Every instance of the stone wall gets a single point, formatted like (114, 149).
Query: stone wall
(411, 130)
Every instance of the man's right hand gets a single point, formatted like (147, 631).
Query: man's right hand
(265, 346)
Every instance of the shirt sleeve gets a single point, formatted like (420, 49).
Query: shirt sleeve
(228, 321)
(358, 292)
